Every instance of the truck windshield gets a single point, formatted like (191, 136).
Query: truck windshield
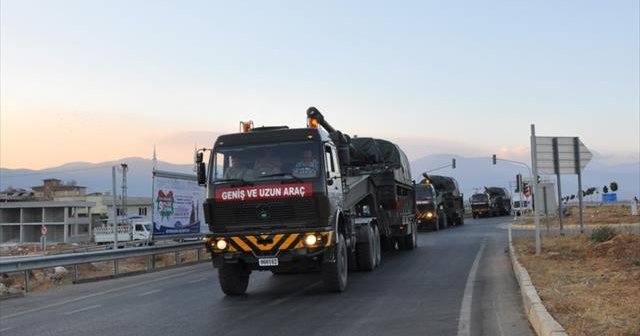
(424, 192)
(293, 161)
(479, 198)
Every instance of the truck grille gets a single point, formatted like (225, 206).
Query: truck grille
(272, 213)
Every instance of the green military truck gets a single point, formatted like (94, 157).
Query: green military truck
(306, 198)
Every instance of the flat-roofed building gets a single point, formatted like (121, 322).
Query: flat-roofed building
(21, 222)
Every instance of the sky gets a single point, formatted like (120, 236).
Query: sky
(95, 81)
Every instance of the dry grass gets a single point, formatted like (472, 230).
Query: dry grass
(593, 215)
(591, 289)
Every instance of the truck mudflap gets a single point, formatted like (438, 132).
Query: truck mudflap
(269, 244)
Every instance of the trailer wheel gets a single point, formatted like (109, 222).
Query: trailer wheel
(376, 244)
(334, 274)
(366, 254)
(234, 278)
(411, 240)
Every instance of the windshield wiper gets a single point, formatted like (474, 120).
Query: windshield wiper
(242, 181)
(284, 174)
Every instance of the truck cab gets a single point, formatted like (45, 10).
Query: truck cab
(480, 205)
(426, 212)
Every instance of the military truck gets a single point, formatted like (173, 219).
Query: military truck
(426, 214)
(307, 198)
(500, 201)
(449, 200)
(480, 205)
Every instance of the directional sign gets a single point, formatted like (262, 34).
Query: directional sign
(561, 155)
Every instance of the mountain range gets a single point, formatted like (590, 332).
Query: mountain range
(472, 173)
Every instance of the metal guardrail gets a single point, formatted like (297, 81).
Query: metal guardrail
(26, 264)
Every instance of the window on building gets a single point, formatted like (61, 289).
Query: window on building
(142, 211)
(119, 212)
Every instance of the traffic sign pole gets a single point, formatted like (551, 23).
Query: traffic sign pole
(576, 150)
(556, 166)
(536, 198)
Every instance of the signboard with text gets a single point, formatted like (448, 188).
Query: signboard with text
(177, 205)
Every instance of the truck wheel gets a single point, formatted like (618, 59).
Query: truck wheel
(441, 221)
(334, 274)
(376, 244)
(234, 278)
(366, 254)
(411, 241)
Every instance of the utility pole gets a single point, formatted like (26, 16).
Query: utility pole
(115, 208)
(125, 167)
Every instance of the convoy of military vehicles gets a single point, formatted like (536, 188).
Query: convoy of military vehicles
(290, 200)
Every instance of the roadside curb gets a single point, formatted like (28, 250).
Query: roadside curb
(543, 323)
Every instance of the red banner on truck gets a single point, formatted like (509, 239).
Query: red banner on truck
(264, 192)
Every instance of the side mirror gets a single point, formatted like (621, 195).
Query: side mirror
(200, 169)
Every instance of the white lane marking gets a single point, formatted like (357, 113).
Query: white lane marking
(298, 292)
(197, 280)
(4, 317)
(150, 292)
(82, 309)
(5, 329)
(464, 323)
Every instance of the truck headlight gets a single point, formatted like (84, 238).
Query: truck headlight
(221, 244)
(429, 214)
(310, 240)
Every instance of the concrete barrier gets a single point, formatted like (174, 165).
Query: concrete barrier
(542, 322)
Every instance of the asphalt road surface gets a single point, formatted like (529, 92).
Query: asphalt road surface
(458, 281)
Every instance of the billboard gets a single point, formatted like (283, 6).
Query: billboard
(177, 205)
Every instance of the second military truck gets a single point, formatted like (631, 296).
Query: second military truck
(284, 200)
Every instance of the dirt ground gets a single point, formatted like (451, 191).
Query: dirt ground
(44, 279)
(590, 288)
(593, 215)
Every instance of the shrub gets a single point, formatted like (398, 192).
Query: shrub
(602, 234)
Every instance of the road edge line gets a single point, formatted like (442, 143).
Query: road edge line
(541, 320)
(464, 322)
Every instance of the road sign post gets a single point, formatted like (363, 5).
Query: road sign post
(536, 197)
(43, 238)
(563, 155)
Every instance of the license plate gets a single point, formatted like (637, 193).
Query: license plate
(268, 261)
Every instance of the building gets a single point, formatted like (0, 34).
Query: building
(65, 222)
(54, 188)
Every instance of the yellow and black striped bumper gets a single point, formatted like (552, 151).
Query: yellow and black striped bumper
(270, 244)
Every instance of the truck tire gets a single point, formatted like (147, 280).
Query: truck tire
(442, 221)
(234, 278)
(335, 274)
(366, 254)
(376, 244)
(411, 240)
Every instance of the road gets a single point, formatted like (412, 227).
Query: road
(458, 281)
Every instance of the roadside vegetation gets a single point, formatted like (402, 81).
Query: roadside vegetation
(589, 283)
(593, 215)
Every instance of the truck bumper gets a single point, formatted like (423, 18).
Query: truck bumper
(290, 250)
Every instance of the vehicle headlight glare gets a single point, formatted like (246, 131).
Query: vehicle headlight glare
(429, 214)
(221, 244)
(311, 240)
